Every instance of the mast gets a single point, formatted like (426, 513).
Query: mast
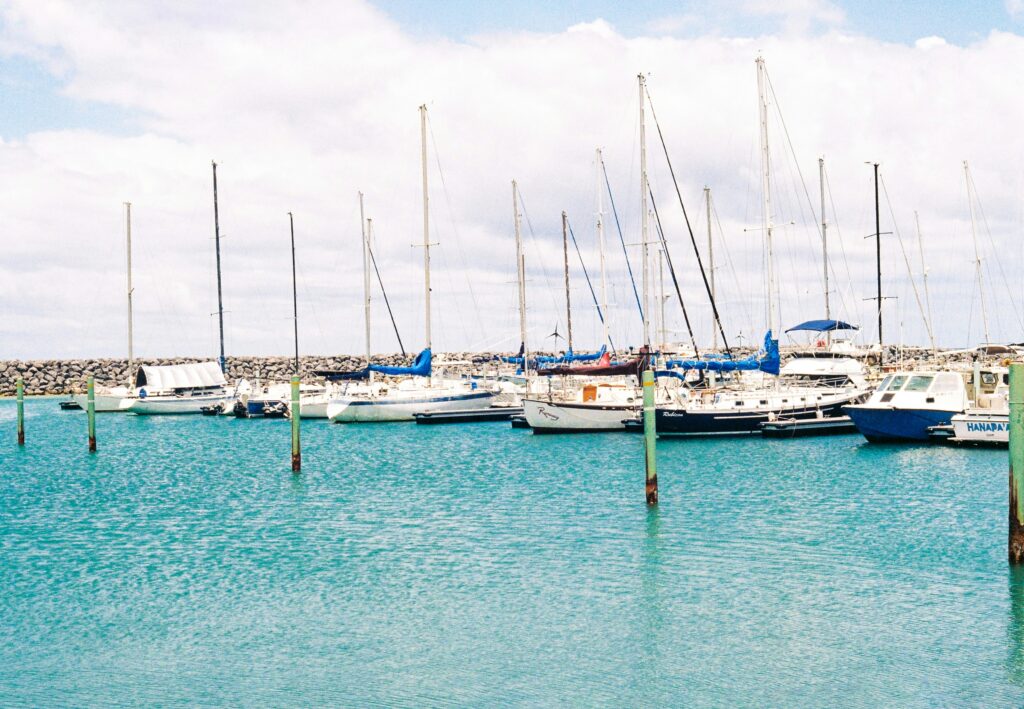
(295, 294)
(711, 265)
(766, 192)
(520, 271)
(565, 254)
(426, 221)
(600, 246)
(363, 228)
(977, 255)
(924, 274)
(878, 266)
(131, 317)
(661, 297)
(824, 241)
(220, 294)
(643, 214)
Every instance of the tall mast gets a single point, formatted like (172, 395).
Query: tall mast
(643, 214)
(520, 271)
(565, 254)
(426, 220)
(600, 245)
(766, 192)
(220, 295)
(295, 294)
(824, 241)
(131, 317)
(924, 275)
(977, 254)
(364, 233)
(878, 266)
(661, 298)
(711, 265)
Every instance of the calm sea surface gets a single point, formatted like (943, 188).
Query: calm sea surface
(479, 565)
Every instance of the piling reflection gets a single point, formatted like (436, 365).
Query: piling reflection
(651, 596)
(1015, 627)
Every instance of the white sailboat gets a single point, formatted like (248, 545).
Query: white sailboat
(188, 388)
(422, 393)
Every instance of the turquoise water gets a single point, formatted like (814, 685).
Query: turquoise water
(479, 565)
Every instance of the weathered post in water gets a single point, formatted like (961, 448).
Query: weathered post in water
(90, 408)
(21, 411)
(649, 438)
(1016, 541)
(295, 416)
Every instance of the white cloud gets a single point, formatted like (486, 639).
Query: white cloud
(303, 105)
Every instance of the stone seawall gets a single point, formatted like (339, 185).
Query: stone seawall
(65, 376)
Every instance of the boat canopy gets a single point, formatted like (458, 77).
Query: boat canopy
(767, 360)
(420, 368)
(822, 326)
(196, 375)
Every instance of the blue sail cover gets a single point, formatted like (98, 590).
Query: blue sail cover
(571, 356)
(420, 368)
(768, 361)
(822, 326)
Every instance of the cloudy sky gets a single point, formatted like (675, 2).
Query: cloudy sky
(305, 104)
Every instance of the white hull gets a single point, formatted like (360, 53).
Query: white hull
(106, 403)
(978, 427)
(550, 417)
(314, 408)
(403, 406)
(160, 405)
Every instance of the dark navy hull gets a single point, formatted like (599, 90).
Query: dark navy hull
(679, 422)
(887, 425)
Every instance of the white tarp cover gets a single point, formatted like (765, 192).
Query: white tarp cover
(179, 376)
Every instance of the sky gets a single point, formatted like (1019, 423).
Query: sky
(305, 105)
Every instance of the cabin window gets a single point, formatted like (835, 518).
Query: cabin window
(919, 382)
(946, 383)
(763, 402)
(988, 378)
(739, 403)
(895, 383)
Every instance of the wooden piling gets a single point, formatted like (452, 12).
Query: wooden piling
(21, 411)
(90, 408)
(650, 437)
(296, 417)
(1016, 531)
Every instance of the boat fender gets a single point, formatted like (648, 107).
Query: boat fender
(872, 360)
(142, 393)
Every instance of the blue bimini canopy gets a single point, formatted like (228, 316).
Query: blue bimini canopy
(822, 326)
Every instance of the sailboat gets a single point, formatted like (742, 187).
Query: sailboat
(595, 403)
(188, 388)
(121, 397)
(421, 392)
(807, 390)
(274, 400)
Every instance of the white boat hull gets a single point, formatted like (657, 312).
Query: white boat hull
(402, 406)
(988, 427)
(558, 417)
(106, 403)
(161, 405)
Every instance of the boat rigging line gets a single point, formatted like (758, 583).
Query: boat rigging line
(689, 228)
(622, 240)
(672, 273)
(387, 303)
(590, 285)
